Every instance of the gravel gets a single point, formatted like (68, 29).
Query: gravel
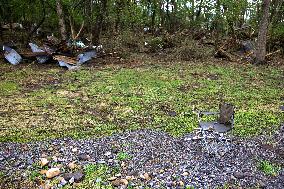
(169, 162)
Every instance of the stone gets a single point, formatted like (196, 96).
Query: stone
(52, 172)
(84, 157)
(185, 174)
(42, 172)
(101, 161)
(72, 180)
(74, 149)
(119, 182)
(63, 182)
(129, 178)
(261, 184)
(118, 175)
(116, 182)
(124, 182)
(181, 183)
(147, 176)
(107, 153)
(71, 165)
(78, 176)
(112, 178)
(239, 175)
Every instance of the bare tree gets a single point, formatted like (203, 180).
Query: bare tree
(62, 25)
(262, 33)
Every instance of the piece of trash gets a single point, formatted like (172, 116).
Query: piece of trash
(11, 55)
(42, 58)
(65, 61)
(78, 44)
(86, 56)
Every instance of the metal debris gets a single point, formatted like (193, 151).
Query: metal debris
(214, 143)
(86, 56)
(41, 59)
(11, 55)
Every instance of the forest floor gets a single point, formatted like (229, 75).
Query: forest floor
(46, 106)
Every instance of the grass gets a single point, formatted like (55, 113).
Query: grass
(269, 168)
(36, 104)
(123, 156)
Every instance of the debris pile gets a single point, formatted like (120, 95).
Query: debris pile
(70, 54)
(212, 142)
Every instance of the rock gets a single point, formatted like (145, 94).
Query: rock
(112, 178)
(72, 180)
(261, 184)
(63, 182)
(43, 172)
(124, 182)
(2, 158)
(145, 176)
(84, 157)
(71, 165)
(134, 173)
(101, 161)
(118, 175)
(54, 158)
(74, 149)
(78, 176)
(107, 153)
(119, 182)
(185, 174)
(239, 175)
(116, 182)
(52, 172)
(181, 183)
(129, 178)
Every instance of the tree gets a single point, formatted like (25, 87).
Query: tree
(262, 34)
(62, 25)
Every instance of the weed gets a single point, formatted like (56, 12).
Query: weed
(123, 156)
(269, 168)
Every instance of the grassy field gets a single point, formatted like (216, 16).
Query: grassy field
(40, 102)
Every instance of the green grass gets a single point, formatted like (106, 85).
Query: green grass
(123, 156)
(269, 168)
(102, 102)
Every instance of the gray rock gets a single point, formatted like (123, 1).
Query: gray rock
(239, 175)
(78, 176)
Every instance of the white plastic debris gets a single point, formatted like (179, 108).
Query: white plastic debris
(11, 55)
(35, 48)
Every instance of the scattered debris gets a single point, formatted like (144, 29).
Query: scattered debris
(41, 58)
(11, 55)
(69, 54)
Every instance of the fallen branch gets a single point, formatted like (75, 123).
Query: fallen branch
(268, 56)
(223, 54)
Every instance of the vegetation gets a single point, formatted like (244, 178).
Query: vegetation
(50, 103)
(269, 168)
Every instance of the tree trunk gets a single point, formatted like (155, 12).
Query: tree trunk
(262, 34)
(99, 22)
(60, 15)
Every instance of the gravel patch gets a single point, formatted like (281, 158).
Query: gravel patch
(156, 159)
